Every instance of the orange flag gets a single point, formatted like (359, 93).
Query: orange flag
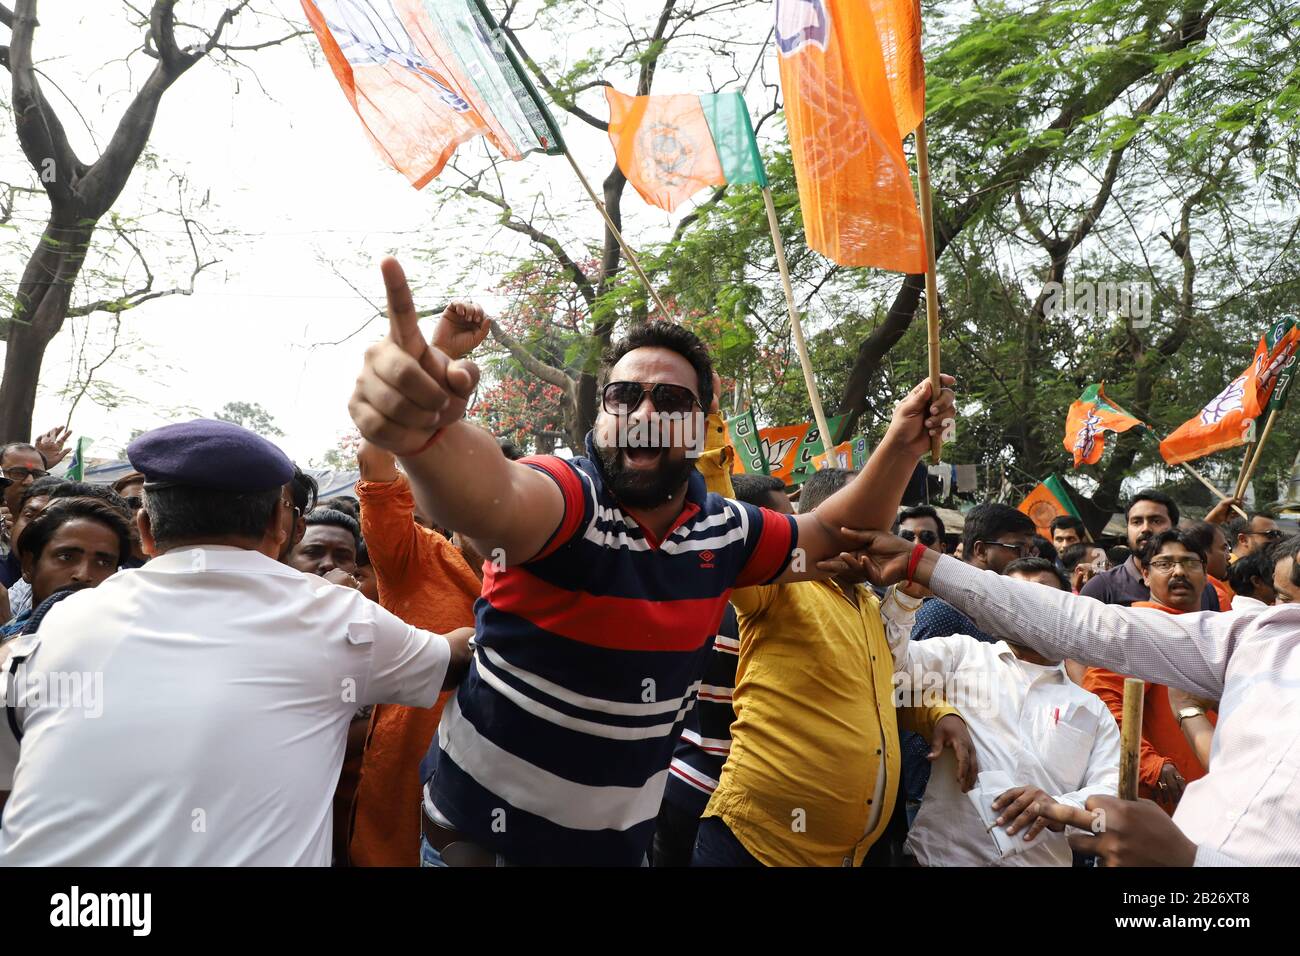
(1228, 420)
(854, 86)
(425, 77)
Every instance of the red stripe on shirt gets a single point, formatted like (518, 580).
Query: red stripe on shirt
(570, 486)
(772, 551)
(627, 624)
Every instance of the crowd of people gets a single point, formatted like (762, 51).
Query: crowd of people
(634, 656)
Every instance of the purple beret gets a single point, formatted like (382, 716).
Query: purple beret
(209, 454)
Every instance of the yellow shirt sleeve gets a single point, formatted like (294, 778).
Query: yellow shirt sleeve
(715, 463)
(922, 720)
(755, 600)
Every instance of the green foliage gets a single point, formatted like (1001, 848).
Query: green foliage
(249, 415)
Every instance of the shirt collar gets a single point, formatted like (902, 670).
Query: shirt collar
(1005, 652)
(217, 557)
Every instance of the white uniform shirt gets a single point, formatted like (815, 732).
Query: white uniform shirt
(1027, 720)
(202, 713)
(1247, 808)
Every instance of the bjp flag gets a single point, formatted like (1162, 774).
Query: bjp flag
(425, 76)
(854, 86)
(671, 147)
(1090, 417)
(1228, 420)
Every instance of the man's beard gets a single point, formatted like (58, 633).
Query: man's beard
(643, 488)
(1141, 542)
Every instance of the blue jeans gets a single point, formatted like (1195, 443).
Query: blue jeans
(716, 845)
(431, 857)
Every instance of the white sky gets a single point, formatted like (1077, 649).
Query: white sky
(292, 172)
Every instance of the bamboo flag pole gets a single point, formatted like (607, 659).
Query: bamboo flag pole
(1130, 738)
(1249, 471)
(618, 236)
(1206, 482)
(1240, 487)
(931, 276)
(828, 440)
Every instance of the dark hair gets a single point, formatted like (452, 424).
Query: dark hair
(344, 503)
(1118, 554)
(1242, 525)
(675, 338)
(510, 449)
(1288, 547)
(1202, 532)
(1068, 521)
(1033, 565)
(820, 485)
(1075, 553)
(1159, 497)
(336, 519)
(987, 521)
(24, 446)
(1044, 548)
(363, 555)
(304, 490)
(187, 513)
(39, 488)
(920, 511)
(756, 489)
(91, 489)
(1258, 564)
(1172, 536)
(39, 531)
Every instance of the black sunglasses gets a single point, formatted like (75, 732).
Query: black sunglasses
(927, 538)
(622, 398)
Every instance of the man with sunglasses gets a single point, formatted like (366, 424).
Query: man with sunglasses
(1260, 532)
(607, 578)
(20, 465)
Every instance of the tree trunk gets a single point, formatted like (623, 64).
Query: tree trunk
(41, 305)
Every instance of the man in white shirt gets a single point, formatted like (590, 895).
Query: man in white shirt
(1246, 810)
(1033, 727)
(195, 711)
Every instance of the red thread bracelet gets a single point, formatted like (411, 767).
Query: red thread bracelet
(918, 552)
(427, 445)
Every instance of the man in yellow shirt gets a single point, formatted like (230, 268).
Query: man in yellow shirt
(810, 778)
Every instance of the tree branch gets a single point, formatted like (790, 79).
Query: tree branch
(533, 365)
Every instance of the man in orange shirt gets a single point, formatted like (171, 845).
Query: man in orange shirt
(430, 583)
(1173, 567)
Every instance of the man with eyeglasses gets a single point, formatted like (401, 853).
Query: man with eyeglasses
(1149, 513)
(1173, 566)
(608, 575)
(1247, 536)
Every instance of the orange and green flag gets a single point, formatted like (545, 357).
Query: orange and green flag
(854, 85)
(1051, 499)
(671, 147)
(1228, 419)
(1090, 417)
(425, 76)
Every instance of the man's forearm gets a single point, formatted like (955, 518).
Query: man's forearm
(1189, 651)
(871, 499)
(463, 482)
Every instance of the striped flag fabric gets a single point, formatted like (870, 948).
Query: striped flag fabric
(1092, 415)
(671, 147)
(425, 76)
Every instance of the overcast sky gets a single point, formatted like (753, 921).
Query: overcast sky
(289, 171)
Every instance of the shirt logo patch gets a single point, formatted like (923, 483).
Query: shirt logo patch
(706, 559)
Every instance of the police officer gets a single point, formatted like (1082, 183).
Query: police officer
(195, 711)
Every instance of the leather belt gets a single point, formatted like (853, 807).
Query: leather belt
(454, 849)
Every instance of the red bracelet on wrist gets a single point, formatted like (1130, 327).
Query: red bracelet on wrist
(427, 445)
(918, 552)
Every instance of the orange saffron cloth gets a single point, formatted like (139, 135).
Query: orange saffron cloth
(424, 580)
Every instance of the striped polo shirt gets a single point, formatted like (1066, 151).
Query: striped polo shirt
(556, 747)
